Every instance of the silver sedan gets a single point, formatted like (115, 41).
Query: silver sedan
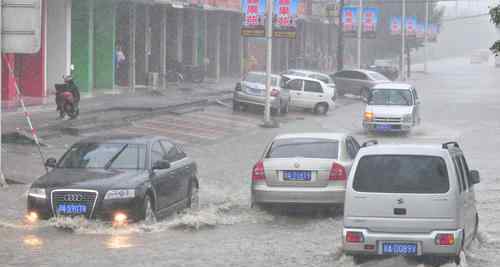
(307, 168)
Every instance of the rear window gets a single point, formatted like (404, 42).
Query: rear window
(401, 174)
(304, 148)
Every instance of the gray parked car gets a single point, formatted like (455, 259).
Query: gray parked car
(251, 91)
(410, 200)
(357, 82)
(304, 168)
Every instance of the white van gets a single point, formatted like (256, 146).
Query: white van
(410, 200)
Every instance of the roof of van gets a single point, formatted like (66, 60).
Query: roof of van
(408, 149)
(400, 86)
(333, 136)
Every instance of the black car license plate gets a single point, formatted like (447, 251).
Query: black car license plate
(399, 249)
(297, 175)
(71, 209)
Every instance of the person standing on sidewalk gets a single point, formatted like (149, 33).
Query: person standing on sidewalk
(119, 62)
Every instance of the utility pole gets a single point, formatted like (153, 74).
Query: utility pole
(340, 38)
(269, 37)
(403, 40)
(3, 183)
(426, 40)
(360, 31)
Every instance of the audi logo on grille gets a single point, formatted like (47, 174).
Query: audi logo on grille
(73, 197)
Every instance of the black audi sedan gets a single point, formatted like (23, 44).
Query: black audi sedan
(116, 178)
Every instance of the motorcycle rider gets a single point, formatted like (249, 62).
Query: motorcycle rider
(69, 86)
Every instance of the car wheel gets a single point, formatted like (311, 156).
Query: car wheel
(364, 93)
(321, 109)
(193, 199)
(149, 214)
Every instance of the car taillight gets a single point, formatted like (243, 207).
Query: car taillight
(258, 171)
(354, 237)
(445, 239)
(338, 173)
(275, 92)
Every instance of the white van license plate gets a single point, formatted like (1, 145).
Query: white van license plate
(399, 248)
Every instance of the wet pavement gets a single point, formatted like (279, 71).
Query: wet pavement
(459, 102)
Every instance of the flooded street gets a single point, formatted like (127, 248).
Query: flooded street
(459, 102)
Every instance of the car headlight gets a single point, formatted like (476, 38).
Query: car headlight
(407, 118)
(120, 194)
(37, 192)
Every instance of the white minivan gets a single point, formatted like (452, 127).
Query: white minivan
(410, 200)
(310, 93)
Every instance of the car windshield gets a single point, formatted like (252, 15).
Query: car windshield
(390, 97)
(260, 78)
(401, 174)
(304, 148)
(324, 78)
(104, 156)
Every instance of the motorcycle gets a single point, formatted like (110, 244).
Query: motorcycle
(67, 98)
(178, 72)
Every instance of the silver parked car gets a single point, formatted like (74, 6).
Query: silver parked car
(252, 91)
(410, 200)
(357, 82)
(392, 107)
(304, 168)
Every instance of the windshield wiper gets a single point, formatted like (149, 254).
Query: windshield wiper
(110, 162)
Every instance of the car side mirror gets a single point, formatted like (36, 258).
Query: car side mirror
(474, 177)
(161, 165)
(51, 163)
(238, 87)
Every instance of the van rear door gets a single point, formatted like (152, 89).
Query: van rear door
(401, 193)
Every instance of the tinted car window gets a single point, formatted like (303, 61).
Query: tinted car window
(304, 148)
(102, 156)
(390, 97)
(314, 87)
(260, 78)
(295, 85)
(358, 75)
(157, 152)
(401, 174)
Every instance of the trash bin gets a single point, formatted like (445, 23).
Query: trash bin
(153, 81)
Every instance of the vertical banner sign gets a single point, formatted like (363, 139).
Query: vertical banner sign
(420, 30)
(395, 26)
(370, 21)
(253, 18)
(350, 21)
(432, 32)
(285, 18)
(411, 27)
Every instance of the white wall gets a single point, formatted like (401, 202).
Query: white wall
(58, 57)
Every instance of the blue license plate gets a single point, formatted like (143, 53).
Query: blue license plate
(383, 127)
(399, 248)
(297, 175)
(71, 209)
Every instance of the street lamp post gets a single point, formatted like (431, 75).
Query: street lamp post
(360, 31)
(426, 40)
(403, 40)
(269, 37)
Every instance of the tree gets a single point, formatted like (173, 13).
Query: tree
(495, 18)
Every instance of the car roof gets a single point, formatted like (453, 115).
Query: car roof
(396, 86)
(122, 138)
(408, 149)
(264, 73)
(332, 136)
(291, 77)
(308, 72)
